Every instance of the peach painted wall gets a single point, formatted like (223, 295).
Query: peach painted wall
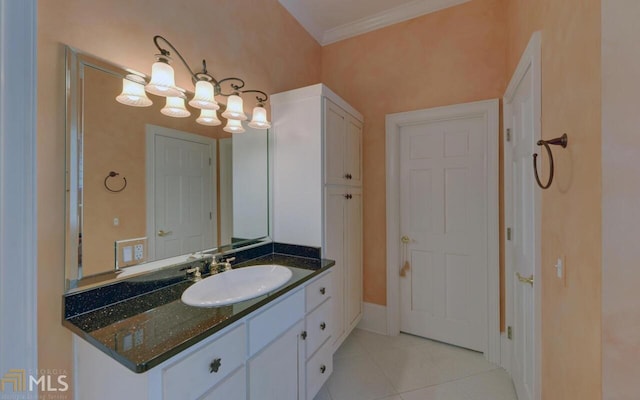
(452, 56)
(620, 199)
(255, 39)
(571, 208)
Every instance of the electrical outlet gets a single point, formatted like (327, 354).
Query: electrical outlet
(138, 252)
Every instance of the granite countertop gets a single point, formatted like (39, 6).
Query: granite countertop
(143, 331)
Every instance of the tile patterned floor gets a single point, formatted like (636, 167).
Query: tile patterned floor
(375, 367)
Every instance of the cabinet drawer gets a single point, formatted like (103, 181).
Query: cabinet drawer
(232, 388)
(319, 327)
(319, 368)
(318, 291)
(269, 324)
(192, 376)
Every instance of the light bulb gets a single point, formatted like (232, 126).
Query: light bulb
(175, 108)
(209, 118)
(235, 108)
(233, 126)
(259, 118)
(203, 98)
(133, 93)
(163, 82)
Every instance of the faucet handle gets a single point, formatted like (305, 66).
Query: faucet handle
(227, 263)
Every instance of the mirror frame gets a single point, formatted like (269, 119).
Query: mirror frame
(75, 61)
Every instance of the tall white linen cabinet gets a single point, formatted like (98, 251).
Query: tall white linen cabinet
(317, 188)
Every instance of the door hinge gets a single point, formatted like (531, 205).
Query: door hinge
(508, 134)
(209, 160)
(509, 333)
(508, 233)
(210, 215)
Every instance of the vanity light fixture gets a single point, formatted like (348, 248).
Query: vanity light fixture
(163, 84)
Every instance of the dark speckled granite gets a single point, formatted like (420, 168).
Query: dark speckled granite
(141, 331)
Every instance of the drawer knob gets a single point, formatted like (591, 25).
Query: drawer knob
(323, 369)
(304, 335)
(323, 326)
(323, 290)
(215, 365)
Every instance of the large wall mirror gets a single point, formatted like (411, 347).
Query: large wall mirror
(145, 190)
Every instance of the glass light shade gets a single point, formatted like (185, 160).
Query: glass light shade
(203, 99)
(259, 119)
(175, 108)
(233, 126)
(235, 109)
(133, 93)
(209, 118)
(163, 82)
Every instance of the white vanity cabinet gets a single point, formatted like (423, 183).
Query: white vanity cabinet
(317, 190)
(281, 351)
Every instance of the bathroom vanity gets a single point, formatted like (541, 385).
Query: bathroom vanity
(153, 346)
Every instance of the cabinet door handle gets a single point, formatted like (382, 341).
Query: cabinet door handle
(348, 196)
(323, 326)
(323, 291)
(304, 335)
(215, 365)
(323, 369)
(162, 233)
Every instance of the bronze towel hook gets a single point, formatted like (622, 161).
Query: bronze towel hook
(111, 175)
(560, 141)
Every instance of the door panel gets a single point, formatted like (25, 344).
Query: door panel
(353, 264)
(353, 159)
(335, 219)
(444, 213)
(522, 243)
(183, 197)
(335, 131)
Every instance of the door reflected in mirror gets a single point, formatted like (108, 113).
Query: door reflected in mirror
(144, 187)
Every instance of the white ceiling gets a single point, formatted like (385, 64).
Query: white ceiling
(329, 21)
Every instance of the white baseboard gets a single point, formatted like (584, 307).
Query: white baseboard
(374, 318)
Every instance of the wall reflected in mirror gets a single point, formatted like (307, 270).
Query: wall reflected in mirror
(144, 187)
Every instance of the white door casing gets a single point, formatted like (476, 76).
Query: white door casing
(522, 111)
(443, 212)
(181, 198)
(487, 112)
(18, 188)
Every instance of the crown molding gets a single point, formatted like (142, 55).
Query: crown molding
(386, 18)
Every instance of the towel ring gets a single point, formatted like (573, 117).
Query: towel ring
(113, 174)
(560, 141)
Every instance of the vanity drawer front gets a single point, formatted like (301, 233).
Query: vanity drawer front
(232, 388)
(190, 377)
(319, 327)
(318, 291)
(319, 368)
(274, 321)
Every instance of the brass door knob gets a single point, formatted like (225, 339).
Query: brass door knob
(523, 279)
(405, 239)
(162, 233)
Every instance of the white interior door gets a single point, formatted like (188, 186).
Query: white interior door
(443, 210)
(183, 195)
(521, 221)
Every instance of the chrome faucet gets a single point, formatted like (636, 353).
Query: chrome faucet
(221, 266)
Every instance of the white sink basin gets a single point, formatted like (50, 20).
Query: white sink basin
(236, 285)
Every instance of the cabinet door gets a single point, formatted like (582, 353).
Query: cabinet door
(353, 257)
(353, 151)
(334, 143)
(334, 242)
(273, 373)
